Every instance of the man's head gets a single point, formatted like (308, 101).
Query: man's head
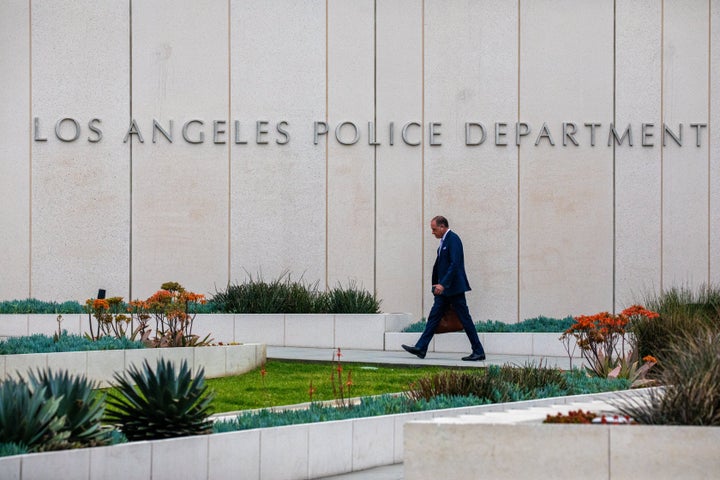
(439, 225)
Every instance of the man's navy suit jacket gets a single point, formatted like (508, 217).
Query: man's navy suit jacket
(449, 268)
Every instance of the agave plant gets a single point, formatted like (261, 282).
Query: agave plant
(161, 403)
(80, 407)
(29, 419)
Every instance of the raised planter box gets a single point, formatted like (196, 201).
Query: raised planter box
(555, 451)
(284, 453)
(355, 332)
(101, 365)
(362, 332)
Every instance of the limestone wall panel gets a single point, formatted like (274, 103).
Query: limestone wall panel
(638, 168)
(180, 190)
(399, 222)
(15, 149)
(350, 168)
(471, 75)
(566, 192)
(685, 169)
(278, 187)
(80, 189)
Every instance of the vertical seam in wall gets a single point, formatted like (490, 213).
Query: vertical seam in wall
(327, 159)
(614, 162)
(230, 143)
(130, 172)
(518, 167)
(375, 149)
(422, 157)
(30, 152)
(709, 147)
(662, 150)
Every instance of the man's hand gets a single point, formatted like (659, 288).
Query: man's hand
(438, 289)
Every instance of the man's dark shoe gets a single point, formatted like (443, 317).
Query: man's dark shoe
(414, 351)
(474, 357)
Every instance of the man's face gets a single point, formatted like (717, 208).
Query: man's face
(437, 230)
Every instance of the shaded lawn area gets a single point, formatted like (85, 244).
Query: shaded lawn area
(288, 382)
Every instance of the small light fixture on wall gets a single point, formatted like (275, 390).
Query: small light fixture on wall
(101, 294)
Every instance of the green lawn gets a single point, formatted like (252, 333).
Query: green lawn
(288, 382)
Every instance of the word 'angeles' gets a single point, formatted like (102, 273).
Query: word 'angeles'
(409, 133)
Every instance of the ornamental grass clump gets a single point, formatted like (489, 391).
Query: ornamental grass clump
(682, 311)
(160, 403)
(284, 295)
(691, 385)
(495, 384)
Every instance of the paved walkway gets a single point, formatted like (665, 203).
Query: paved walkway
(378, 357)
(382, 357)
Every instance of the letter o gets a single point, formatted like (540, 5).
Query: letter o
(356, 137)
(58, 128)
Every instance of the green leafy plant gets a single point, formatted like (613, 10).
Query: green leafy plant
(29, 419)
(80, 407)
(161, 403)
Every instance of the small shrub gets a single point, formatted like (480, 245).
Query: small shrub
(160, 403)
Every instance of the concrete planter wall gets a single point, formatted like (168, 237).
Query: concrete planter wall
(364, 332)
(284, 453)
(539, 451)
(100, 366)
(351, 331)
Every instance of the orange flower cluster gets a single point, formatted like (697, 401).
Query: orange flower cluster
(639, 311)
(100, 304)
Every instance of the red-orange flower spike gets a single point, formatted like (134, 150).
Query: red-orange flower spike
(649, 358)
(311, 390)
(339, 354)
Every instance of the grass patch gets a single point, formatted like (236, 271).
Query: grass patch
(288, 382)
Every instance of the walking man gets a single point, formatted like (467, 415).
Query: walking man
(449, 284)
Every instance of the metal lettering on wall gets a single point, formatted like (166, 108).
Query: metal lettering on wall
(264, 132)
